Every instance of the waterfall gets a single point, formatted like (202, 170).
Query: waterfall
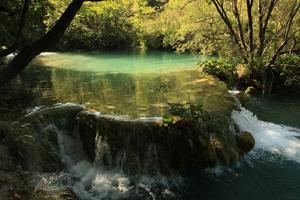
(127, 153)
(279, 140)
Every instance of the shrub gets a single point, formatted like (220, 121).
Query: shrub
(223, 69)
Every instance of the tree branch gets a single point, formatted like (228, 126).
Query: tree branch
(250, 25)
(29, 52)
(48, 40)
(240, 26)
(225, 18)
(263, 23)
(289, 22)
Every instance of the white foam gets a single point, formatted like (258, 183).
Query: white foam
(92, 183)
(234, 92)
(269, 137)
(95, 183)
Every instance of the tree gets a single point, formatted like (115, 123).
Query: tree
(23, 16)
(259, 41)
(111, 25)
(23, 58)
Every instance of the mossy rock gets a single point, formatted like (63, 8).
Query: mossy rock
(250, 90)
(62, 115)
(54, 193)
(245, 142)
(243, 98)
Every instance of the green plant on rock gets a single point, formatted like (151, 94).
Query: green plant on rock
(223, 69)
(186, 111)
(288, 65)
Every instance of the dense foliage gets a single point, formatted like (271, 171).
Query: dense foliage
(263, 35)
(11, 17)
(182, 25)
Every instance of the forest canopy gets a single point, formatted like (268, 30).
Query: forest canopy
(181, 25)
(259, 33)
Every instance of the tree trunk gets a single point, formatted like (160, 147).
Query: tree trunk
(267, 76)
(47, 41)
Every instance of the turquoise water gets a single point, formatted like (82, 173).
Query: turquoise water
(132, 62)
(123, 83)
(140, 84)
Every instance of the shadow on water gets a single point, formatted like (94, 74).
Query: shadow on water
(262, 180)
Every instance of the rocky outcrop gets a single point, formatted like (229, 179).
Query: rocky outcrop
(195, 139)
(150, 147)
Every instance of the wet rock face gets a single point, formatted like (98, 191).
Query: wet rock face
(147, 147)
(61, 115)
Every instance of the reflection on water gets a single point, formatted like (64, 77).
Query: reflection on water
(134, 87)
(132, 62)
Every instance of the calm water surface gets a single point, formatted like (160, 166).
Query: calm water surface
(141, 84)
(124, 83)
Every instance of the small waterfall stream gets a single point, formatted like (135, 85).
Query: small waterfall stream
(269, 137)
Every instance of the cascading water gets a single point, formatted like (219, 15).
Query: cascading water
(90, 181)
(272, 138)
